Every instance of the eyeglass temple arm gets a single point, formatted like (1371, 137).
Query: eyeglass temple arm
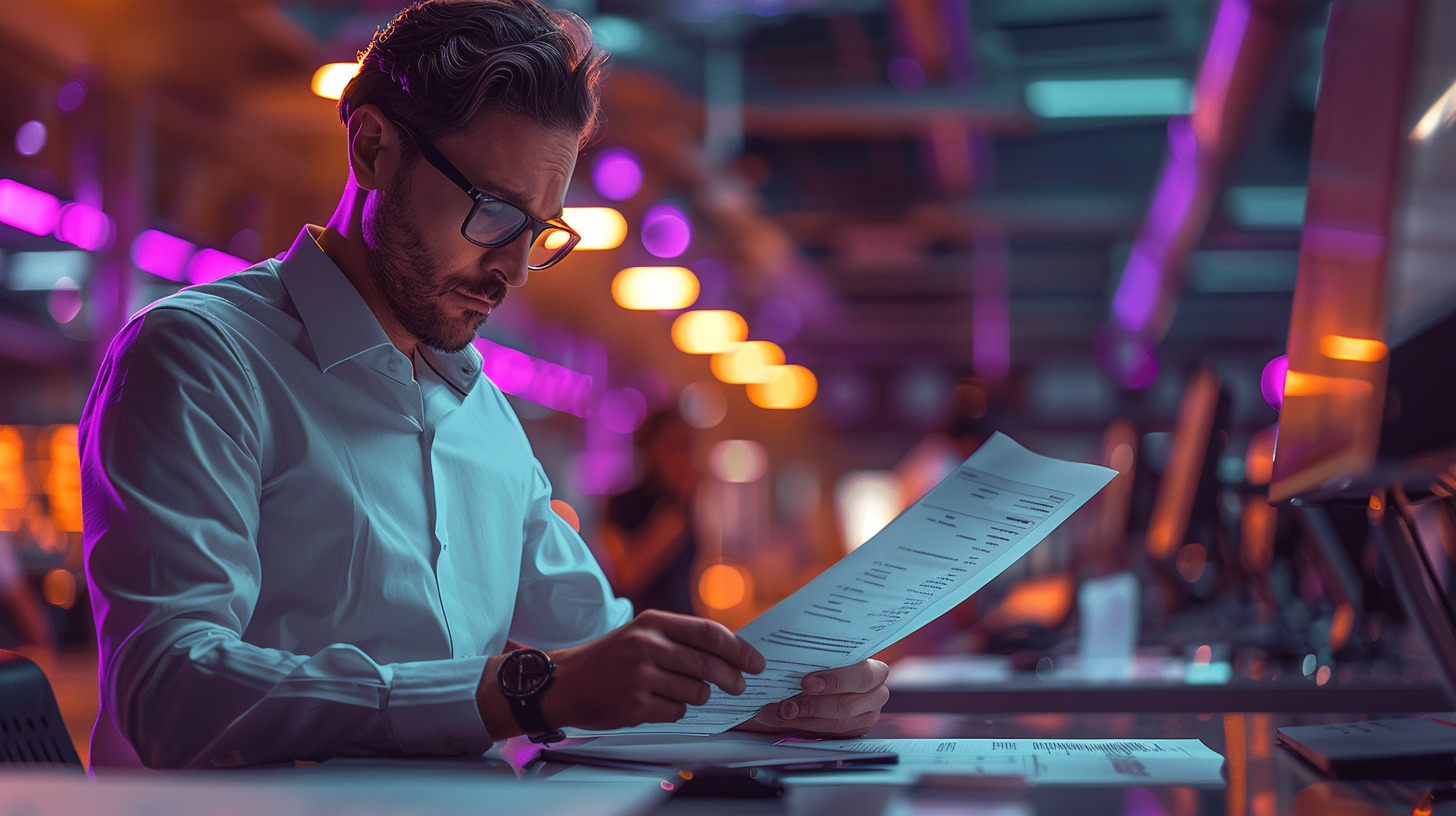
(435, 158)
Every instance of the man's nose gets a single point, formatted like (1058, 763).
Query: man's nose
(512, 258)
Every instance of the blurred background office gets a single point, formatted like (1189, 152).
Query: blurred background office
(843, 240)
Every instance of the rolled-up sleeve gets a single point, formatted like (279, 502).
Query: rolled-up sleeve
(174, 447)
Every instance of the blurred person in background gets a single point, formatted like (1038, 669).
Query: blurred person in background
(27, 618)
(649, 532)
(312, 525)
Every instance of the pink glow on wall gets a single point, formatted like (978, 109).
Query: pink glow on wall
(30, 138)
(544, 383)
(86, 227)
(71, 96)
(617, 174)
(666, 231)
(161, 254)
(1271, 382)
(622, 409)
(210, 264)
(27, 208)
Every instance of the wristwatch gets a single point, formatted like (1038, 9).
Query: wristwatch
(524, 676)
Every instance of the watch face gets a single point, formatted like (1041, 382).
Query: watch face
(525, 671)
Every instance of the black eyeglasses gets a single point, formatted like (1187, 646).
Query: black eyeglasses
(494, 223)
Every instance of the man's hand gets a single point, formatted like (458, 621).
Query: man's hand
(836, 703)
(647, 671)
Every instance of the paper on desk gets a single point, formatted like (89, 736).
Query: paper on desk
(1079, 762)
(967, 530)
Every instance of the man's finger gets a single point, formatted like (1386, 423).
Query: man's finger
(859, 678)
(831, 706)
(700, 665)
(712, 637)
(679, 688)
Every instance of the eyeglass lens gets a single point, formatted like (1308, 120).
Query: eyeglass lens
(496, 222)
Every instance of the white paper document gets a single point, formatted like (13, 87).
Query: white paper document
(967, 530)
(1079, 762)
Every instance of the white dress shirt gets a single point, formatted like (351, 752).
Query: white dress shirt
(296, 549)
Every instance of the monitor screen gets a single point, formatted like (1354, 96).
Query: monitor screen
(1367, 401)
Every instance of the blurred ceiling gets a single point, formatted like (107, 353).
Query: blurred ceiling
(861, 174)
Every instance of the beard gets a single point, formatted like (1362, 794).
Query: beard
(403, 270)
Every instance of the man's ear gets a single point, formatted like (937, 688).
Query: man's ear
(373, 148)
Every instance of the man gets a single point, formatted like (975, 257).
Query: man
(312, 526)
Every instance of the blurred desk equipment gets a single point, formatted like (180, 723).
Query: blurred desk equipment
(1368, 402)
(31, 730)
(1413, 748)
(972, 684)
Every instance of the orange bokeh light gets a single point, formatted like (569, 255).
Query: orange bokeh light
(568, 513)
(59, 588)
(708, 331)
(786, 387)
(1358, 349)
(747, 362)
(724, 586)
(661, 288)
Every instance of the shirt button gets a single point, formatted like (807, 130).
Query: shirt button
(393, 365)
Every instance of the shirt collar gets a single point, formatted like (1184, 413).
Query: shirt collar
(338, 321)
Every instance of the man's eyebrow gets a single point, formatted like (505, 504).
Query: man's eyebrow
(515, 198)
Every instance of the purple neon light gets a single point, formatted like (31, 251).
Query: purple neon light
(210, 264)
(622, 409)
(603, 472)
(27, 208)
(1171, 201)
(1271, 382)
(666, 231)
(906, 74)
(86, 227)
(990, 307)
(1130, 359)
(71, 96)
(1136, 298)
(30, 138)
(1216, 73)
(161, 254)
(1137, 293)
(617, 174)
(519, 374)
(65, 301)
(1182, 144)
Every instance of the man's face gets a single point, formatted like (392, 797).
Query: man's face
(439, 286)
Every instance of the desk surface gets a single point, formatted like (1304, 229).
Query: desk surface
(1262, 779)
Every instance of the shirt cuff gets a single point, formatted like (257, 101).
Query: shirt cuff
(432, 708)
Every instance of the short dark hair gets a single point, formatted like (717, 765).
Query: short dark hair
(440, 64)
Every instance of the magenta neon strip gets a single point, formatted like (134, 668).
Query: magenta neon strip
(27, 208)
(544, 383)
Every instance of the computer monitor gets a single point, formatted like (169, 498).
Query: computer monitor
(1369, 400)
(1369, 410)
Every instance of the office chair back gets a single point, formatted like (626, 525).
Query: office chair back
(31, 729)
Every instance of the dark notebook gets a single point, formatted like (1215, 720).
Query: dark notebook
(1409, 748)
